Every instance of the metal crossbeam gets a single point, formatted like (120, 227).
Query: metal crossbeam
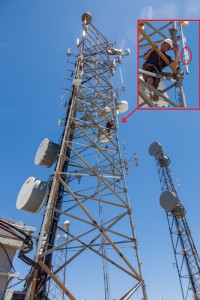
(156, 92)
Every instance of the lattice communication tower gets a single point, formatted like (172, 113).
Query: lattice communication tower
(186, 255)
(87, 247)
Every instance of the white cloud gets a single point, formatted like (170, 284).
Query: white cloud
(131, 34)
(186, 10)
(192, 9)
(165, 11)
(146, 12)
(122, 44)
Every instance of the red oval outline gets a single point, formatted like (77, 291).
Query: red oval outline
(181, 55)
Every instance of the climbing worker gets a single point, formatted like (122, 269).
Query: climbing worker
(110, 124)
(154, 63)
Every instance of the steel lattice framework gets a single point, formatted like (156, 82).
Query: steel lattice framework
(88, 188)
(186, 255)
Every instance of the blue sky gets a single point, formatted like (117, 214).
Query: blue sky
(33, 42)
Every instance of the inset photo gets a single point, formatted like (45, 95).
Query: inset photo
(168, 64)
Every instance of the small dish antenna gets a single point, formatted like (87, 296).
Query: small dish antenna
(86, 17)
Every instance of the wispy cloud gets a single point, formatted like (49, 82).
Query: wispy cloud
(159, 12)
(129, 36)
(187, 10)
(192, 9)
(130, 33)
(146, 13)
(122, 43)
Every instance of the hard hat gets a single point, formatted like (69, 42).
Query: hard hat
(168, 41)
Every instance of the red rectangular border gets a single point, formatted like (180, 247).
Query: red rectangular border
(137, 65)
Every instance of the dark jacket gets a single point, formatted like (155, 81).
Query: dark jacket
(157, 61)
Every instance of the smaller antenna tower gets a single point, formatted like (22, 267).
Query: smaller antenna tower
(186, 255)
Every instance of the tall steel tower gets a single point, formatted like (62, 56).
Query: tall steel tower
(186, 255)
(87, 188)
(151, 35)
